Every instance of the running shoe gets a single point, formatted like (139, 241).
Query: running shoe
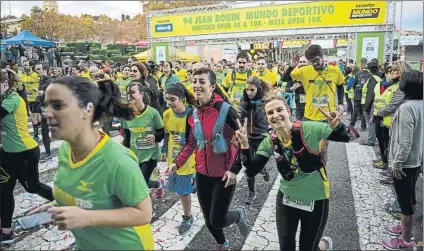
(243, 223)
(160, 190)
(394, 230)
(328, 242)
(251, 198)
(36, 138)
(391, 209)
(398, 244)
(185, 225)
(379, 164)
(223, 246)
(6, 238)
(46, 158)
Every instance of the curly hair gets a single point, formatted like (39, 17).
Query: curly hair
(314, 51)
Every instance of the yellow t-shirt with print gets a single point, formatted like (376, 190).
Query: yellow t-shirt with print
(175, 124)
(320, 88)
(31, 83)
(268, 77)
(182, 74)
(236, 89)
(86, 74)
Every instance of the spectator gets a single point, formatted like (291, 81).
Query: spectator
(58, 58)
(50, 57)
(405, 157)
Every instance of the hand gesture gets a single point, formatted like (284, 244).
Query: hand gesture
(67, 218)
(295, 61)
(241, 134)
(171, 169)
(41, 209)
(295, 86)
(230, 177)
(150, 138)
(332, 117)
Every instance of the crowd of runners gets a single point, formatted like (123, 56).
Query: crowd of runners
(208, 122)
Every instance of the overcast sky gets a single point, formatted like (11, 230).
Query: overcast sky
(412, 10)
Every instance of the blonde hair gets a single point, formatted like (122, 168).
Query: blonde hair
(11, 77)
(401, 67)
(270, 96)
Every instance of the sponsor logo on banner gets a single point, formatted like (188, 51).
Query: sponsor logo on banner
(164, 28)
(343, 42)
(365, 13)
(295, 43)
(263, 46)
(273, 17)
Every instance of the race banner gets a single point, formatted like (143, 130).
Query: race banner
(273, 17)
(295, 43)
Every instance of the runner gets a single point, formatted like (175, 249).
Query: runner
(252, 108)
(322, 83)
(216, 165)
(235, 81)
(45, 80)
(405, 157)
(139, 74)
(296, 87)
(124, 81)
(19, 155)
(385, 106)
(263, 73)
(168, 77)
(304, 191)
(143, 134)
(99, 191)
(31, 80)
(181, 72)
(181, 182)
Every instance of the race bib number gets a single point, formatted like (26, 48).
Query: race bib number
(302, 205)
(302, 98)
(141, 143)
(321, 100)
(237, 95)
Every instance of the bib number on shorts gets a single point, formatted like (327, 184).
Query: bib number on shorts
(321, 100)
(302, 205)
(302, 98)
(141, 143)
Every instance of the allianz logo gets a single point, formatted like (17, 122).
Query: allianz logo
(164, 27)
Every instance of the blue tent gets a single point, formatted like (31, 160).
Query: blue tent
(26, 38)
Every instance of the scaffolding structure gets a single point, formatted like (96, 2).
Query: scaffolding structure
(270, 36)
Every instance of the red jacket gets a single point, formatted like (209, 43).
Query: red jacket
(207, 162)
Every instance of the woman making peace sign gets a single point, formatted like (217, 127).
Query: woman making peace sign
(304, 189)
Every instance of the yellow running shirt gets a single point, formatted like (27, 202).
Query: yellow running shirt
(175, 124)
(269, 77)
(31, 82)
(320, 88)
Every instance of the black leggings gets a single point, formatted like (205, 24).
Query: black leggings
(45, 134)
(358, 111)
(311, 229)
(147, 170)
(215, 200)
(254, 145)
(23, 167)
(405, 190)
(382, 134)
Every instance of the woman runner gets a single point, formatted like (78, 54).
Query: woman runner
(216, 173)
(99, 191)
(20, 152)
(143, 134)
(304, 190)
(174, 119)
(252, 108)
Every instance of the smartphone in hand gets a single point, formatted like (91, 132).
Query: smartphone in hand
(35, 220)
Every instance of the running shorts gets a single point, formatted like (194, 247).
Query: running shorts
(181, 184)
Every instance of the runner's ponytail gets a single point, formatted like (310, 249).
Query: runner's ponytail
(105, 97)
